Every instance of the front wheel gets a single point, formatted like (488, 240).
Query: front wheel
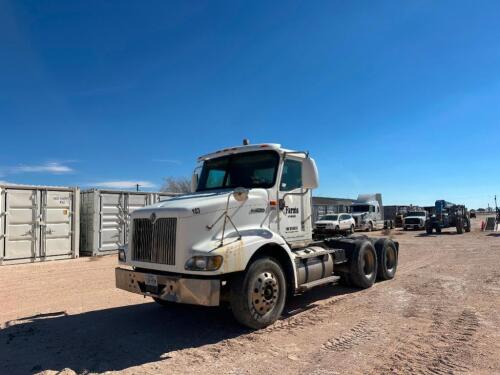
(352, 229)
(370, 226)
(258, 295)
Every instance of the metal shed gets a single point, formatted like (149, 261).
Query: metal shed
(105, 216)
(38, 223)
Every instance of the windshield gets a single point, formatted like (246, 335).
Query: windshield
(360, 208)
(330, 217)
(249, 170)
(416, 213)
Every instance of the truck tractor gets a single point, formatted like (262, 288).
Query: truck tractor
(368, 213)
(448, 215)
(243, 239)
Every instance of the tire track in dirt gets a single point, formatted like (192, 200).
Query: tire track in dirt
(360, 332)
(446, 349)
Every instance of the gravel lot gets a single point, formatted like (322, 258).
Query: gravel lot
(439, 315)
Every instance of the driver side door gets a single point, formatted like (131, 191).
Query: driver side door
(292, 225)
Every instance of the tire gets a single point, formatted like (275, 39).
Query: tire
(428, 230)
(460, 227)
(345, 280)
(438, 229)
(337, 229)
(363, 265)
(352, 229)
(258, 295)
(387, 255)
(392, 224)
(370, 227)
(467, 228)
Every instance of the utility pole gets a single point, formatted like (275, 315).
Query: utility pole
(137, 187)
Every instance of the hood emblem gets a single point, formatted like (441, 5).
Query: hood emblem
(152, 217)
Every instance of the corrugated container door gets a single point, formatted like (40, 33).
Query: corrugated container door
(21, 239)
(111, 214)
(56, 226)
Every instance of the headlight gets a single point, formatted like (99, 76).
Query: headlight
(204, 263)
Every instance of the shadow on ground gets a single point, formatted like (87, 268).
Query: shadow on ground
(122, 337)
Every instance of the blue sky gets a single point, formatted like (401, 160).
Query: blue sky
(401, 98)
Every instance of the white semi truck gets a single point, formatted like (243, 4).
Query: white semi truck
(368, 213)
(243, 237)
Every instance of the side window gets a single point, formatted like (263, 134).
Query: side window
(342, 217)
(292, 175)
(215, 178)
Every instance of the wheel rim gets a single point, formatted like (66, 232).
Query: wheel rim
(390, 259)
(265, 293)
(368, 264)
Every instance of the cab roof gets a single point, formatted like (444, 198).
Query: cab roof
(245, 148)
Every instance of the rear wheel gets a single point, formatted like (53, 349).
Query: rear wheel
(387, 256)
(370, 226)
(467, 227)
(258, 295)
(352, 228)
(460, 227)
(428, 230)
(363, 267)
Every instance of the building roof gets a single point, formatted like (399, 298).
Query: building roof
(331, 201)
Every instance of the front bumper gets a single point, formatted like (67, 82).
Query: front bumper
(414, 226)
(205, 292)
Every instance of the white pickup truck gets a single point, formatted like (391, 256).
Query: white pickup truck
(415, 220)
(244, 236)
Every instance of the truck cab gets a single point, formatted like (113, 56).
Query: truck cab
(368, 213)
(243, 236)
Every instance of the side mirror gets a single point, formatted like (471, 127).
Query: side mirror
(310, 179)
(194, 182)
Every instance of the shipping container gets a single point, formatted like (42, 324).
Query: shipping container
(105, 217)
(38, 223)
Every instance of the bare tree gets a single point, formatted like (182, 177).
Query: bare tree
(176, 185)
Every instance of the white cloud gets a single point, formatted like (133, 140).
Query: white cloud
(55, 168)
(123, 184)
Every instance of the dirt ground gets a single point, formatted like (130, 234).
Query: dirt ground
(440, 315)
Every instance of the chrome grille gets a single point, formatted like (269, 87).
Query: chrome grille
(154, 242)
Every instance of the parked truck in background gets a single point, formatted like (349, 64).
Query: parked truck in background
(244, 237)
(415, 219)
(448, 215)
(368, 213)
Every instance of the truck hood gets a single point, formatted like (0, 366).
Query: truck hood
(415, 217)
(358, 214)
(326, 222)
(203, 203)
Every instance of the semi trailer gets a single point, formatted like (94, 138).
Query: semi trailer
(243, 239)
